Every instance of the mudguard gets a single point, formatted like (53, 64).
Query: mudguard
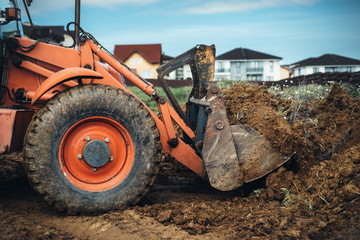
(63, 76)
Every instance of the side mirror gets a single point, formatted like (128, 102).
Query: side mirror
(12, 14)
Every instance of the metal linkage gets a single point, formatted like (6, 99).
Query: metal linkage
(201, 59)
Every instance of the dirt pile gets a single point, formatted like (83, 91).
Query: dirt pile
(268, 115)
(317, 191)
(326, 137)
(334, 118)
(314, 131)
(315, 196)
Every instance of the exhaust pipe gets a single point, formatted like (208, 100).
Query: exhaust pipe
(77, 21)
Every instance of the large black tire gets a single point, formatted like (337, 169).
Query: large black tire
(52, 172)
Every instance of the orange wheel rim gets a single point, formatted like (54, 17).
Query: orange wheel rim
(96, 153)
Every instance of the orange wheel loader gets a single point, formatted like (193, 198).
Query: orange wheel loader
(90, 145)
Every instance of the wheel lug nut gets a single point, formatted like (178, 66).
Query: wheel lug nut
(87, 138)
(79, 156)
(107, 140)
(94, 169)
(111, 158)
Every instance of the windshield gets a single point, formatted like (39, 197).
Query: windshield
(13, 28)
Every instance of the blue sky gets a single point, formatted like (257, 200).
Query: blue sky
(291, 29)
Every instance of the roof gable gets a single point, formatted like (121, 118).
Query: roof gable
(245, 54)
(327, 60)
(151, 52)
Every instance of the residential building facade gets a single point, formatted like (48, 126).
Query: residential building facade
(246, 64)
(325, 63)
(143, 58)
(286, 72)
(146, 58)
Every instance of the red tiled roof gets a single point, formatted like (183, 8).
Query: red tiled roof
(151, 52)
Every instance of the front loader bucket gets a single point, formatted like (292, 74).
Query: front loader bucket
(255, 154)
(234, 154)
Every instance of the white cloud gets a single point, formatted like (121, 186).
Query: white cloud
(242, 6)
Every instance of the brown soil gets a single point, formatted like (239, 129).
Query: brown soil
(314, 196)
(11, 167)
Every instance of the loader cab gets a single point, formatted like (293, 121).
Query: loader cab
(10, 26)
(10, 19)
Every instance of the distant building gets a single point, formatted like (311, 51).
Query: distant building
(143, 58)
(166, 59)
(325, 63)
(183, 72)
(286, 72)
(246, 64)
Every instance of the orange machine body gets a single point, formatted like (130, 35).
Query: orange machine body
(48, 69)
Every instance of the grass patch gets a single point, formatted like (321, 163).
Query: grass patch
(310, 92)
(230, 83)
(352, 90)
(181, 94)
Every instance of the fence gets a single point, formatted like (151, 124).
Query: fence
(317, 78)
(171, 83)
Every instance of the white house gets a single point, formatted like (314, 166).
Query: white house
(183, 72)
(246, 64)
(325, 63)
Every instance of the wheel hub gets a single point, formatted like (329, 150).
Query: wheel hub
(96, 153)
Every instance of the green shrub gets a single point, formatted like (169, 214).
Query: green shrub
(181, 94)
(352, 90)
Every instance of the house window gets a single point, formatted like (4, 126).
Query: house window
(255, 77)
(139, 60)
(331, 69)
(179, 73)
(349, 69)
(270, 78)
(132, 60)
(220, 67)
(254, 66)
(271, 66)
(315, 69)
(238, 69)
(299, 72)
(342, 69)
(146, 73)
